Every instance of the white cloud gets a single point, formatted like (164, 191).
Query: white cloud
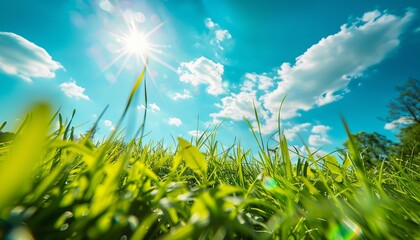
(24, 59)
(141, 107)
(291, 133)
(73, 91)
(109, 125)
(263, 82)
(203, 71)
(154, 107)
(318, 140)
(316, 151)
(320, 129)
(195, 133)
(319, 136)
(174, 121)
(218, 34)
(222, 35)
(209, 23)
(238, 106)
(398, 122)
(321, 74)
(371, 16)
(182, 96)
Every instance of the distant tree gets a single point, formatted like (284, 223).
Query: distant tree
(409, 147)
(373, 147)
(407, 104)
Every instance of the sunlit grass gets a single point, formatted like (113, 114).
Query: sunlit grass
(56, 186)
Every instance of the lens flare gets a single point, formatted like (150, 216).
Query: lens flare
(269, 183)
(346, 231)
(132, 41)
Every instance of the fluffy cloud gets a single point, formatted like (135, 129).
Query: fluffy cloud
(322, 73)
(320, 129)
(108, 124)
(195, 133)
(73, 91)
(174, 121)
(263, 82)
(182, 96)
(153, 107)
(203, 71)
(398, 122)
(24, 59)
(218, 34)
(319, 136)
(291, 133)
(238, 106)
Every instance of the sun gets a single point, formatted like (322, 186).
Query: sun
(136, 43)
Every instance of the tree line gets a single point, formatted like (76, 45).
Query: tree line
(404, 113)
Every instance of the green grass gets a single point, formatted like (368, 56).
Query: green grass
(56, 186)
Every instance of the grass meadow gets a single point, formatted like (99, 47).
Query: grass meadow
(54, 185)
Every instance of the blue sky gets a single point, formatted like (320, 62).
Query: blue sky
(209, 61)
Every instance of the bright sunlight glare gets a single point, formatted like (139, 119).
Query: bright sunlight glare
(136, 43)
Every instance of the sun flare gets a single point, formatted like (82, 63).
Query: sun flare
(136, 43)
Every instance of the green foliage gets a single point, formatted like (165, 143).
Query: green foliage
(373, 147)
(407, 104)
(57, 187)
(410, 142)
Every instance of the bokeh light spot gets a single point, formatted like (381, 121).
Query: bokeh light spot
(269, 183)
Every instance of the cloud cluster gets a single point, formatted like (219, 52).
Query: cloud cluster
(291, 133)
(72, 90)
(203, 71)
(153, 107)
(195, 133)
(182, 96)
(173, 121)
(218, 34)
(319, 136)
(24, 59)
(321, 74)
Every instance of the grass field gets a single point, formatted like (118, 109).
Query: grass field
(56, 186)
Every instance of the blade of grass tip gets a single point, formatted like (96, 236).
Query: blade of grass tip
(279, 116)
(354, 151)
(133, 91)
(286, 158)
(3, 125)
(15, 172)
(69, 124)
(55, 115)
(140, 131)
(317, 168)
(95, 125)
(22, 126)
(257, 118)
(108, 141)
